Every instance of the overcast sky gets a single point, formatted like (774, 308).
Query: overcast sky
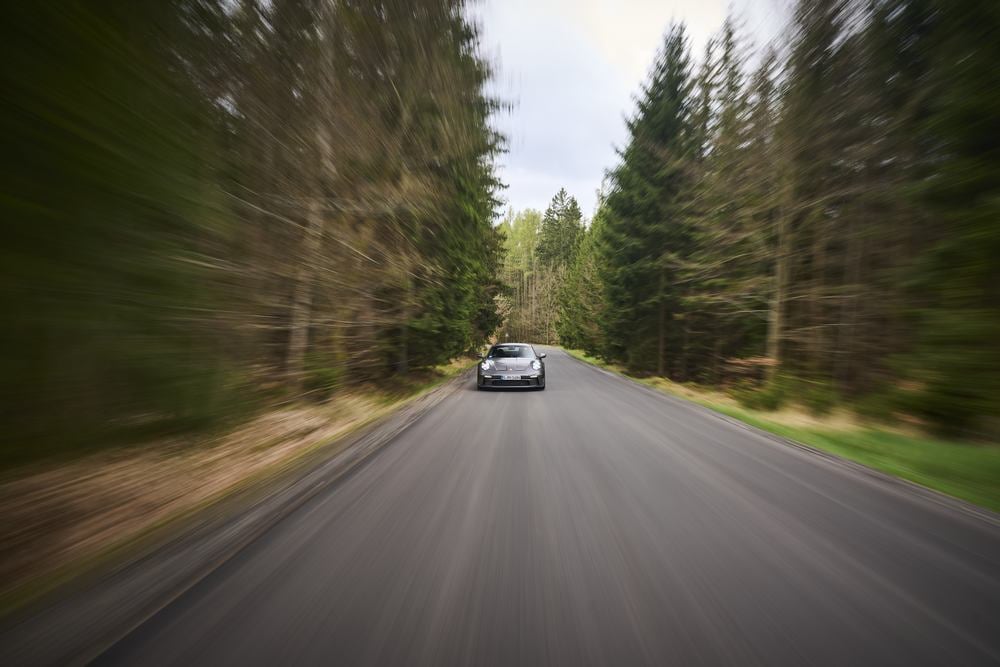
(571, 69)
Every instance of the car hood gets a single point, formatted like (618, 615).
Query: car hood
(517, 364)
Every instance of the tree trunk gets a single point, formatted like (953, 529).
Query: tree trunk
(776, 321)
(404, 359)
(298, 338)
(819, 352)
(661, 352)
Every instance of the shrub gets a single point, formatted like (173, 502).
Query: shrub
(320, 376)
(878, 406)
(818, 398)
(768, 398)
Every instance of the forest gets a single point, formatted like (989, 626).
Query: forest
(213, 205)
(814, 220)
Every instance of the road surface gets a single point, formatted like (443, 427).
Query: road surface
(594, 523)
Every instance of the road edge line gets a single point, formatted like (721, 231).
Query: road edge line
(899, 486)
(211, 537)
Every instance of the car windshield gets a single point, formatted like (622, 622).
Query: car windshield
(511, 351)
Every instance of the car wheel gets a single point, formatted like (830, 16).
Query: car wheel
(541, 385)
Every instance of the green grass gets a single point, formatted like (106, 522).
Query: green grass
(970, 471)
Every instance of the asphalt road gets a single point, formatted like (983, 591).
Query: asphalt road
(595, 523)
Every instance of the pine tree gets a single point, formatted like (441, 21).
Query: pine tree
(725, 277)
(561, 229)
(291, 194)
(645, 236)
(955, 361)
(581, 297)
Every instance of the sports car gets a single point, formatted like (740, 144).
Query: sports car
(511, 365)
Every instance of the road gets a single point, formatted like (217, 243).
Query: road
(594, 523)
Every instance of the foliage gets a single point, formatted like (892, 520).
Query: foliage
(645, 234)
(581, 297)
(562, 227)
(538, 252)
(955, 282)
(204, 198)
(778, 391)
(834, 211)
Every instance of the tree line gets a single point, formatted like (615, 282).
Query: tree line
(209, 203)
(819, 219)
(538, 251)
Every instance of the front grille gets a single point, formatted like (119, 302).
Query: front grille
(511, 383)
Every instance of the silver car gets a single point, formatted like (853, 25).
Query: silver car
(514, 365)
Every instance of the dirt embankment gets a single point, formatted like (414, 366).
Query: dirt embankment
(56, 517)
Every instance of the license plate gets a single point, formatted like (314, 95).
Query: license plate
(511, 377)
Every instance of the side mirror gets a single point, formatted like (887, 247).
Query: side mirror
(541, 356)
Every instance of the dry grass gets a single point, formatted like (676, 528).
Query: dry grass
(970, 471)
(794, 415)
(61, 514)
(791, 414)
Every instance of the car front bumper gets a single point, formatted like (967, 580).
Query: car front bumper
(525, 381)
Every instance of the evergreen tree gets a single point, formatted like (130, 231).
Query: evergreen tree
(955, 361)
(561, 229)
(581, 297)
(645, 237)
(208, 198)
(828, 222)
(725, 275)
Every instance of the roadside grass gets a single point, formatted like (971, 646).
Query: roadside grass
(66, 518)
(970, 471)
(420, 380)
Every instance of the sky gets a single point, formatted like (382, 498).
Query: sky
(571, 70)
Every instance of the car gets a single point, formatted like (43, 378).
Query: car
(514, 365)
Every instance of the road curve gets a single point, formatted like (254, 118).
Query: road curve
(594, 523)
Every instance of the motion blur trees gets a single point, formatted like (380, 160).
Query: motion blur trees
(111, 225)
(827, 221)
(951, 50)
(204, 198)
(393, 187)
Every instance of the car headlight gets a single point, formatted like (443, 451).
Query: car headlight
(485, 365)
(536, 364)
